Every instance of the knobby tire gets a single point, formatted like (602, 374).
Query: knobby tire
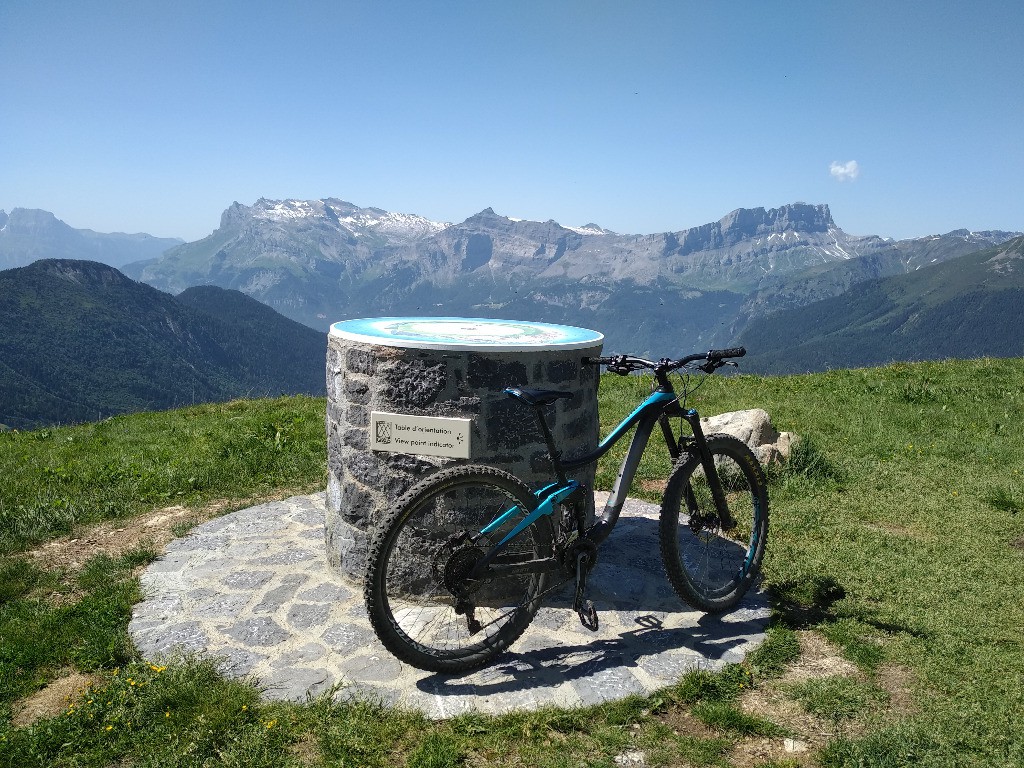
(412, 556)
(711, 569)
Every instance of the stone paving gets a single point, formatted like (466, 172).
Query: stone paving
(254, 590)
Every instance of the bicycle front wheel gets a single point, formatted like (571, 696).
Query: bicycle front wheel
(420, 598)
(710, 568)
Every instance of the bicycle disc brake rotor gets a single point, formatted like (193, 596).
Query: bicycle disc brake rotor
(706, 522)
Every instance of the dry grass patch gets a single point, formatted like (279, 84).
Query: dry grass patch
(818, 659)
(899, 531)
(114, 538)
(898, 682)
(684, 723)
(656, 487)
(750, 753)
(819, 662)
(52, 700)
(306, 750)
(770, 700)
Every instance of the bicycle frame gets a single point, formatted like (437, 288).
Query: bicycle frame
(657, 406)
(660, 404)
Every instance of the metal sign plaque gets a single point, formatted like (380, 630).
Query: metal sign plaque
(420, 435)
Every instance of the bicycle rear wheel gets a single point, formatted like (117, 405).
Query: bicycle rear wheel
(420, 601)
(709, 568)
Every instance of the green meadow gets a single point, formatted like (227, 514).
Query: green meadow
(894, 567)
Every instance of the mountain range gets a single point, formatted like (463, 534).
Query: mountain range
(971, 306)
(318, 261)
(27, 235)
(82, 341)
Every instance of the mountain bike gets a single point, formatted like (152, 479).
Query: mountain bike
(457, 569)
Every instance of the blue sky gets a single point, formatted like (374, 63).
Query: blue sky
(640, 116)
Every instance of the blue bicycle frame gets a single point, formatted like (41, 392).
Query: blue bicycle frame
(658, 405)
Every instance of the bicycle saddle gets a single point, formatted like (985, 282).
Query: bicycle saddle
(537, 396)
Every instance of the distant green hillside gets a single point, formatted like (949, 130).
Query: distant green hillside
(81, 342)
(971, 306)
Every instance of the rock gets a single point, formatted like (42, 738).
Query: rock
(793, 745)
(631, 757)
(753, 427)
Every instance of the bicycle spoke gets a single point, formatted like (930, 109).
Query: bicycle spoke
(422, 600)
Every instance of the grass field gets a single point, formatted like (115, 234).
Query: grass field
(896, 547)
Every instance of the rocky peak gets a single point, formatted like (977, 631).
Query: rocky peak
(1009, 260)
(746, 225)
(235, 215)
(288, 217)
(753, 222)
(486, 217)
(32, 221)
(491, 223)
(591, 229)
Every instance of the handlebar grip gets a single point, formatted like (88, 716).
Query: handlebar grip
(721, 354)
(598, 360)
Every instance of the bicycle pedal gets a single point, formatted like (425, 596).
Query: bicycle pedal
(588, 616)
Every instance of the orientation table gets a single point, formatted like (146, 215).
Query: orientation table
(407, 396)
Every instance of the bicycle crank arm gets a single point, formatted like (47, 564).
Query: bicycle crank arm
(584, 608)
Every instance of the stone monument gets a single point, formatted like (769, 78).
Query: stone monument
(409, 395)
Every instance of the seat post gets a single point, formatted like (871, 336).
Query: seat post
(550, 441)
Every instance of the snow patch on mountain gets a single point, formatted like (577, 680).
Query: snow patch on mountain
(397, 225)
(360, 221)
(285, 210)
(591, 229)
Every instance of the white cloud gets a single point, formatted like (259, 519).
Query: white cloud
(844, 171)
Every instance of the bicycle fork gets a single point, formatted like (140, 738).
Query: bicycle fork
(707, 462)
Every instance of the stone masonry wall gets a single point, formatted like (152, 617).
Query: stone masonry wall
(363, 484)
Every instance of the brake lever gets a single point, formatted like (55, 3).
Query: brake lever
(713, 365)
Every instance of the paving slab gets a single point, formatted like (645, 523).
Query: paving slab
(253, 589)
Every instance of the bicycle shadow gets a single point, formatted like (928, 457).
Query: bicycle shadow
(644, 625)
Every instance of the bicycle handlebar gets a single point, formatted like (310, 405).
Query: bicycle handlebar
(721, 354)
(624, 364)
